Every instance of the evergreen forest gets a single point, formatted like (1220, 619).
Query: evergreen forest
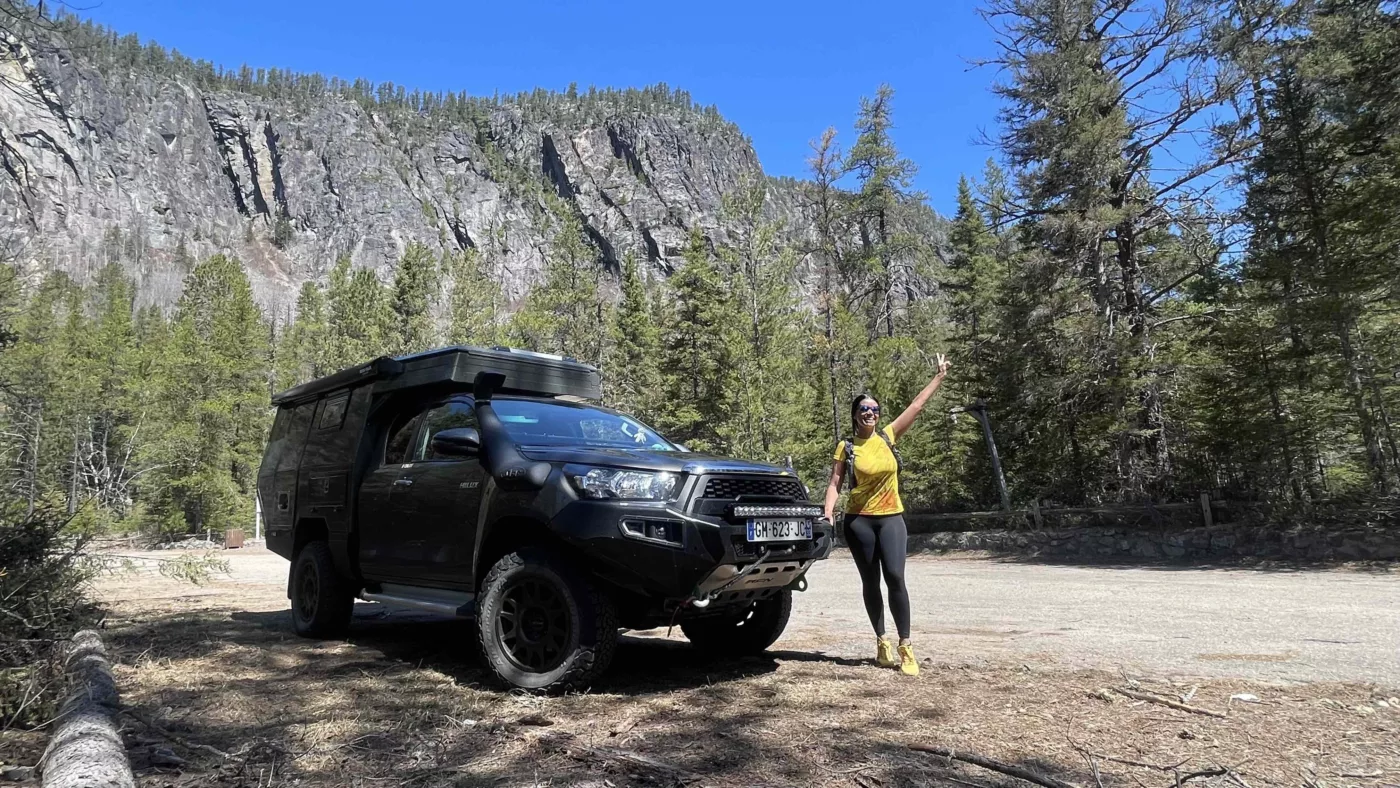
(1179, 273)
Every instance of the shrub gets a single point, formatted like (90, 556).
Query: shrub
(43, 577)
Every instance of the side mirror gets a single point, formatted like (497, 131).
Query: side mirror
(457, 442)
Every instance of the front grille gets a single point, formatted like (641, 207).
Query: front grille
(732, 487)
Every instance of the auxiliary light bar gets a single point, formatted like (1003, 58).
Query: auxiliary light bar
(777, 511)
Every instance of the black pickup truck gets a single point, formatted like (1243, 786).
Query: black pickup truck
(481, 484)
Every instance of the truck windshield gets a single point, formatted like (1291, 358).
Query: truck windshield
(535, 423)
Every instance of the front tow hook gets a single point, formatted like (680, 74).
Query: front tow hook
(704, 599)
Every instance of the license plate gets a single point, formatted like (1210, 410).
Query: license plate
(779, 530)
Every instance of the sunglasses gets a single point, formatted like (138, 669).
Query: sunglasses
(870, 409)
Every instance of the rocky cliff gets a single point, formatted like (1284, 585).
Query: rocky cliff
(108, 152)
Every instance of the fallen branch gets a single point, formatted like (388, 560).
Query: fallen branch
(1185, 778)
(1158, 766)
(1008, 769)
(1169, 703)
(571, 745)
(180, 740)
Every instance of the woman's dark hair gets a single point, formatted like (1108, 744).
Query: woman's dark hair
(855, 410)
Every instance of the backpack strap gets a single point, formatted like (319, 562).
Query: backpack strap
(898, 464)
(851, 458)
(850, 464)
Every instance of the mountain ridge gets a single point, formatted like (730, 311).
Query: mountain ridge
(118, 151)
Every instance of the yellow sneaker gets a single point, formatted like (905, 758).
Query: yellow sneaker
(908, 665)
(884, 653)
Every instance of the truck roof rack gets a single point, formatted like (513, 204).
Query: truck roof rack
(526, 371)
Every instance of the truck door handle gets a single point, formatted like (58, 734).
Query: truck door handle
(403, 482)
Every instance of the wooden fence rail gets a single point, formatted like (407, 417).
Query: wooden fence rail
(1036, 517)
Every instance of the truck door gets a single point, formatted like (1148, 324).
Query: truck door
(440, 502)
(387, 551)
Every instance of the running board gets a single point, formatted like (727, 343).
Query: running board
(448, 603)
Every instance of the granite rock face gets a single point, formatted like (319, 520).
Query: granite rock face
(150, 169)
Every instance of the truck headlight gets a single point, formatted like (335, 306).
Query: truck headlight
(626, 485)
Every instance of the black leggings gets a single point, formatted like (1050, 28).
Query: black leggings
(878, 545)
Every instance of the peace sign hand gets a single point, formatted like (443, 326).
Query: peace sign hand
(943, 365)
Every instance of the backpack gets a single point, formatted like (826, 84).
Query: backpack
(851, 458)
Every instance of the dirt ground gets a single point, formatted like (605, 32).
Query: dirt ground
(223, 694)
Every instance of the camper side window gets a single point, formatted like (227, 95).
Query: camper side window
(333, 412)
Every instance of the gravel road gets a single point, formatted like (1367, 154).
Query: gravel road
(1315, 625)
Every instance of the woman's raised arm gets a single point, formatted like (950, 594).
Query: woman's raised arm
(905, 420)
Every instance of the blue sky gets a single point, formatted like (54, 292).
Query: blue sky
(783, 71)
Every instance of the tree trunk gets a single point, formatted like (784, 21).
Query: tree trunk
(32, 494)
(1378, 394)
(1281, 424)
(831, 357)
(1375, 456)
(73, 477)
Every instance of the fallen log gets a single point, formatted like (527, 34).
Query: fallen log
(1011, 770)
(85, 750)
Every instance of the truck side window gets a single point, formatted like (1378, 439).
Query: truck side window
(400, 436)
(443, 417)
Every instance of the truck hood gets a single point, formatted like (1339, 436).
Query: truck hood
(643, 459)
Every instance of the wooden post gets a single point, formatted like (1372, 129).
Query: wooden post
(1205, 510)
(1035, 515)
(257, 517)
(979, 410)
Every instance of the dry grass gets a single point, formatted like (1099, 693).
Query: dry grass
(405, 702)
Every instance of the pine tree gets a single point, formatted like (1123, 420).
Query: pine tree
(360, 316)
(416, 286)
(36, 368)
(764, 338)
(304, 353)
(697, 371)
(974, 279)
(633, 372)
(215, 402)
(1084, 124)
(566, 313)
(475, 305)
(109, 429)
(885, 179)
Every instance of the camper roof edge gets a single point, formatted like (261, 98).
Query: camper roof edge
(387, 368)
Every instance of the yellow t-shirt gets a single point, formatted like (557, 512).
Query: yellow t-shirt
(877, 479)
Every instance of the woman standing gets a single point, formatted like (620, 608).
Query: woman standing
(874, 525)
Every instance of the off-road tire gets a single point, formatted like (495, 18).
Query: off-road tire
(583, 644)
(744, 633)
(321, 599)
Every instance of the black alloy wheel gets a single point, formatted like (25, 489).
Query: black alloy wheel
(322, 601)
(534, 624)
(543, 624)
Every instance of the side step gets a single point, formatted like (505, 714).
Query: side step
(459, 604)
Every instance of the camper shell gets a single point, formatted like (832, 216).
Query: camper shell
(319, 445)
(480, 483)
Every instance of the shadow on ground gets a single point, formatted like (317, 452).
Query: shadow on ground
(404, 700)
